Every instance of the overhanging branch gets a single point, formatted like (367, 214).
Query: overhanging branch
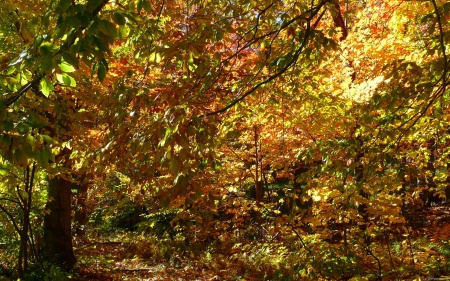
(36, 81)
(272, 77)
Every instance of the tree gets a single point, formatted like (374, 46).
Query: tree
(37, 63)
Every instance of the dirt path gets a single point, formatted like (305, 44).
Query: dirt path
(113, 261)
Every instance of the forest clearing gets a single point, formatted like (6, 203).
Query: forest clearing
(224, 140)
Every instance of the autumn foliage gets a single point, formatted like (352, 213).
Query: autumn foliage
(284, 140)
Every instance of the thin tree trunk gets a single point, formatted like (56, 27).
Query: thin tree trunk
(30, 229)
(258, 183)
(25, 201)
(447, 180)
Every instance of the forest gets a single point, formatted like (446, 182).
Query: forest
(224, 140)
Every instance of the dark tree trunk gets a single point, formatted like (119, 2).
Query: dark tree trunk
(259, 191)
(57, 224)
(81, 216)
(447, 180)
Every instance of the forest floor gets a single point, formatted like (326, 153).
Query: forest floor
(117, 260)
(111, 261)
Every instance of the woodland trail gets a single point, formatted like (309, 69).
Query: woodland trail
(113, 261)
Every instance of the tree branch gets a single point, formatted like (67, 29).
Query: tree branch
(69, 42)
(291, 63)
(441, 42)
(339, 20)
(11, 218)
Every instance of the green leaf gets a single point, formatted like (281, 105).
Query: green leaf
(66, 79)
(49, 153)
(36, 121)
(69, 81)
(22, 128)
(108, 39)
(7, 125)
(48, 63)
(5, 140)
(46, 87)
(11, 70)
(92, 4)
(107, 28)
(119, 18)
(102, 46)
(4, 171)
(73, 21)
(27, 148)
(85, 18)
(70, 59)
(66, 67)
(48, 139)
(156, 57)
(23, 194)
(19, 157)
(140, 5)
(47, 48)
(41, 157)
(65, 4)
(124, 31)
(59, 77)
(31, 140)
(427, 18)
(146, 6)
(101, 72)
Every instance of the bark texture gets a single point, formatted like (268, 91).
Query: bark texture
(57, 224)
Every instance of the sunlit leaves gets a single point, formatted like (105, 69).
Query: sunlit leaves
(46, 87)
(47, 48)
(155, 57)
(66, 79)
(66, 67)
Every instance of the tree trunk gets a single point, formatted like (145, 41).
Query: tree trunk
(447, 180)
(427, 195)
(57, 224)
(81, 216)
